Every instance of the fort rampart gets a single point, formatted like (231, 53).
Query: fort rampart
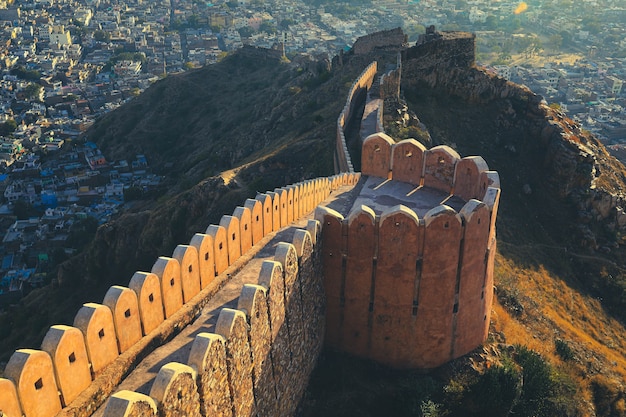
(402, 289)
(79, 366)
(394, 38)
(408, 291)
(356, 96)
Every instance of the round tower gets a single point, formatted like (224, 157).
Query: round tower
(409, 266)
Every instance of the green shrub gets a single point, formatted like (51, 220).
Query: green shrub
(497, 390)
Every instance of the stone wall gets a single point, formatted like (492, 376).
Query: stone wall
(356, 96)
(405, 291)
(574, 162)
(79, 366)
(388, 39)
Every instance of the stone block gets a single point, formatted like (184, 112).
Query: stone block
(283, 206)
(130, 404)
(66, 347)
(439, 165)
(206, 257)
(231, 324)
(187, 257)
(233, 241)
(275, 197)
(332, 259)
(256, 216)
(175, 392)
(268, 212)
(468, 331)
(32, 373)
(467, 178)
(400, 243)
(220, 247)
(95, 321)
(253, 302)
(245, 228)
(291, 204)
(208, 359)
(407, 161)
(437, 288)
(9, 401)
(361, 249)
(147, 286)
(376, 156)
(168, 271)
(125, 308)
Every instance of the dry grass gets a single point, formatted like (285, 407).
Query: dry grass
(552, 311)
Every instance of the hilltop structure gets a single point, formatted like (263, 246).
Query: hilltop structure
(396, 266)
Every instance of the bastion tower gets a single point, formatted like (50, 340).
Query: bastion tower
(408, 266)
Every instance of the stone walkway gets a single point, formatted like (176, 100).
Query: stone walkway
(177, 350)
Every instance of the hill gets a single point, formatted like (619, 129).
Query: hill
(253, 122)
(218, 134)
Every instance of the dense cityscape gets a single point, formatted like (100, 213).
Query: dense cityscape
(65, 63)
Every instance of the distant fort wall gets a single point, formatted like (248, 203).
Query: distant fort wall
(79, 366)
(385, 40)
(356, 96)
(405, 291)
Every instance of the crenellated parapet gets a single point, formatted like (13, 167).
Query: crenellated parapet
(343, 161)
(259, 356)
(78, 366)
(409, 269)
(440, 167)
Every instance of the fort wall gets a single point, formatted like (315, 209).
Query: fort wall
(406, 291)
(343, 162)
(392, 38)
(397, 288)
(79, 366)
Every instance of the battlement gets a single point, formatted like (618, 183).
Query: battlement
(79, 366)
(343, 161)
(407, 281)
(408, 272)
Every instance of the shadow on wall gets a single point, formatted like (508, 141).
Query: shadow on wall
(363, 82)
(405, 291)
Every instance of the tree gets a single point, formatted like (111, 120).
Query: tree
(23, 210)
(285, 23)
(102, 36)
(245, 32)
(267, 27)
(25, 74)
(8, 127)
(33, 91)
(491, 22)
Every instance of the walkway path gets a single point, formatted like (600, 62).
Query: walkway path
(177, 350)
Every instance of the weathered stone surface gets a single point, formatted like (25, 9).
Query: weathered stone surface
(231, 324)
(271, 278)
(123, 304)
(130, 404)
(208, 358)
(168, 271)
(175, 391)
(253, 302)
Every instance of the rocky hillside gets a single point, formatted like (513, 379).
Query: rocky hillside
(254, 122)
(218, 134)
